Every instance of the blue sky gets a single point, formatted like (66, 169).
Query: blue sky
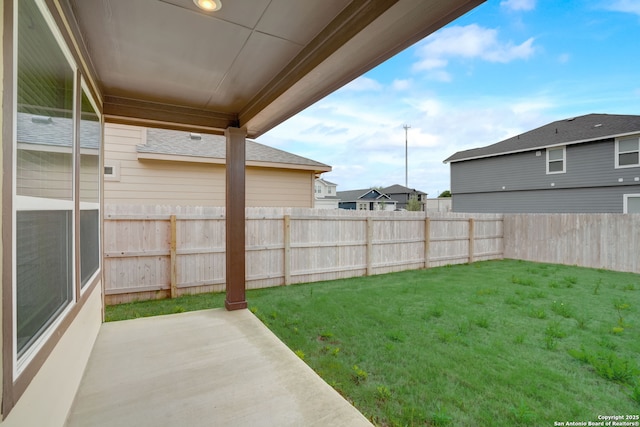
(504, 68)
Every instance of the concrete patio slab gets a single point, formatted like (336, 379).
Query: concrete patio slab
(203, 368)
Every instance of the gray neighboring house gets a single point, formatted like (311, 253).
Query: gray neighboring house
(402, 194)
(586, 164)
(368, 199)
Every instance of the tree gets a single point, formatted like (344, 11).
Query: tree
(445, 193)
(413, 204)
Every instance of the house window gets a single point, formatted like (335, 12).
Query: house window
(55, 170)
(631, 203)
(363, 206)
(556, 159)
(44, 173)
(329, 189)
(627, 152)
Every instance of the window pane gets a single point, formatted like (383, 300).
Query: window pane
(89, 243)
(43, 253)
(625, 145)
(628, 159)
(44, 177)
(90, 139)
(556, 154)
(633, 205)
(556, 166)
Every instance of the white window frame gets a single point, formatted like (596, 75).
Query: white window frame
(26, 203)
(564, 160)
(618, 166)
(96, 205)
(22, 203)
(625, 201)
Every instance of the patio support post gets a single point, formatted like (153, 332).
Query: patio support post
(235, 218)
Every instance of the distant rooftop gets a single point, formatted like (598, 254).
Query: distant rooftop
(400, 189)
(574, 130)
(56, 131)
(180, 143)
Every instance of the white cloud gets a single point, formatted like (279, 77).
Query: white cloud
(519, 4)
(429, 106)
(363, 84)
(564, 58)
(364, 142)
(627, 6)
(469, 42)
(531, 106)
(440, 76)
(430, 63)
(401, 84)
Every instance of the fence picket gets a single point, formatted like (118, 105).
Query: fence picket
(159, 252)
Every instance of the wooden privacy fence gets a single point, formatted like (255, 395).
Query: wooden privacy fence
(609, 241)
(156, 252)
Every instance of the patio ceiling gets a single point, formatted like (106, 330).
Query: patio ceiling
(252, 64)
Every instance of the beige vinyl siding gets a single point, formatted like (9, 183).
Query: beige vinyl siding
(160, 182)
(89, 182)
(44, 174)
(279, 188)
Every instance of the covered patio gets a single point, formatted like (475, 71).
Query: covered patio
(203, 368)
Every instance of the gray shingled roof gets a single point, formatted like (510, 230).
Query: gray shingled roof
(400, 189)
(591, 127)
(327, 182)
(56, 131)
(353, 195)
(162, 141)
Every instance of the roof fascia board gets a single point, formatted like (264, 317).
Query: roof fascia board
(317, 168)
(27, 146)
(144, 113)
(542, 147)
(220, 161)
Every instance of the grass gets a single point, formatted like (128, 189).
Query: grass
(490, 344)
(181, 304)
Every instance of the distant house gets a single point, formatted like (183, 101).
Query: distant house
(326, 195)
(369, 199)
(583, 164)
(402, 195)
(166, 167)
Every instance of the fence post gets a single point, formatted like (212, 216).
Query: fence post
(172, 250)
(471, 239)
(287, 249)
(369, 246)
(427, 241)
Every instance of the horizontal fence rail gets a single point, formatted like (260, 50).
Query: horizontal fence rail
(158, 252)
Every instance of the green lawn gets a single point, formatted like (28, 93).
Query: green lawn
(488, 344)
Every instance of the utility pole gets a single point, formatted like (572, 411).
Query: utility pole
(406, 155)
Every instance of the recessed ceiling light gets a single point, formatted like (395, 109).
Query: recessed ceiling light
(209, 5)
